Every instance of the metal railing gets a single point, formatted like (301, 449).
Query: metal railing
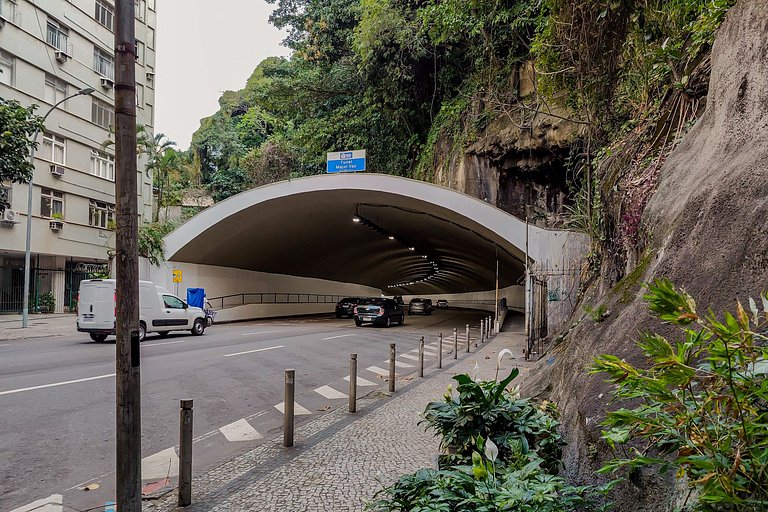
(242, 299)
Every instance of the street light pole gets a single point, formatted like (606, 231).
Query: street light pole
(27, 252)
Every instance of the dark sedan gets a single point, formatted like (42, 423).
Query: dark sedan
(346, 307)
(382, 312)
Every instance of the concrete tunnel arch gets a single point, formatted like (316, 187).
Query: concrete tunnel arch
(411, 237)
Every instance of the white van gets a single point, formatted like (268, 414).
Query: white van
(159, 310)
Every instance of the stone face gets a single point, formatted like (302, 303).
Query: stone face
(707, 225)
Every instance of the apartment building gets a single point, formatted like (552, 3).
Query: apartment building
(50, 49)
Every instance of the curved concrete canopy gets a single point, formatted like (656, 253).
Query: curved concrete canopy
(306, 227)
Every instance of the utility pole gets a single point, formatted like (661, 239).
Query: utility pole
(127, 351)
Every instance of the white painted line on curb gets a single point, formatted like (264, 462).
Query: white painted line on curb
(5, 345)
(330, 393)
(252, 351)
(240, 430)
(400, 364)
(162, 343)
(362, 382)
(50, 504)
(160, 465)
(342, 336)
(297, 409)
(379, 371)
(12, 391)
(255, 333)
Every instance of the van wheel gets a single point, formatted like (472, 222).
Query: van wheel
(198, 327)
(98, 338)
(142, 331)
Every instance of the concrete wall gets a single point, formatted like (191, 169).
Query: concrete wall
(222, 281)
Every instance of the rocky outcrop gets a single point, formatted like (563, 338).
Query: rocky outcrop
(707, 229)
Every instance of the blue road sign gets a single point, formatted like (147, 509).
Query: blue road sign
(346, 161)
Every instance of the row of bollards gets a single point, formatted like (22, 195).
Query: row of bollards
(487, 328)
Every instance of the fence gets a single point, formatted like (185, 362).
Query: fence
(42, 281)
(242, 299)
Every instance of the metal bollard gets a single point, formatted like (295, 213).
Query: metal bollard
(392, 355)
(439, 350)
(482, 330)
(467, 330)
(185, 453)
(490, 328)
(352, 382)
(421, 357)
(455, 344)
(288, 409)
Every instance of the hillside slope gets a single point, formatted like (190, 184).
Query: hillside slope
(707, 228)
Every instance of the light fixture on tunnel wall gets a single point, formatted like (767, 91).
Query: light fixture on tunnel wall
(355, 219)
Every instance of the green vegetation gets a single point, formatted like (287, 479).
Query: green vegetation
(17, 125)
(151, 240)
(701, 408)
(504, 454)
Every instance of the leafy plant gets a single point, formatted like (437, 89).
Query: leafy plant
(486, 410)
(702, 406)
(598, 314)
(17, 125)
(151, 240)
(57, 216)
(46, 302)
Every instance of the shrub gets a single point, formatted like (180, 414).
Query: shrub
(702, 405)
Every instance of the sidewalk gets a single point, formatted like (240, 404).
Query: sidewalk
(40, 326)
(342, 459)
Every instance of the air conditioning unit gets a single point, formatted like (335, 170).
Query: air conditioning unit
(107, 83)
(57, 170)
(150, 75)
(61, 56)
(9, 216)
(56, 225)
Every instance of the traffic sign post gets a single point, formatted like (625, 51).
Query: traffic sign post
(346, 161)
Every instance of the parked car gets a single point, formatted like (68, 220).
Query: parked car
(442, 303)
(382, 312)
(346, 307)
(420, 307)
(159, 310)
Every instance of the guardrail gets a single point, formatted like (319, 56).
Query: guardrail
(242, 299)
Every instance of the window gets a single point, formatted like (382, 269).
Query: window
(51, 203)
(151, 5)
(139, 52)
(103, 165)
(8, 10)
(102, 113)
(103, 63)
(139, 95)
(57, 36)
(141, 10)
(172, 302)
(150, 37)
(101, 215)
(105, 14)
(55, 89)
(54, 148)
(6, 68)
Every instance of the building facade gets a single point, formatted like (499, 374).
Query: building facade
(50, 49)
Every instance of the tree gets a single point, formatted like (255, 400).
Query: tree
(17, 126)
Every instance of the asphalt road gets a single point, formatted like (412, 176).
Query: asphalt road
(57, 395)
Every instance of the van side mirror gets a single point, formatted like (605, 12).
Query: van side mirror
(185, 305)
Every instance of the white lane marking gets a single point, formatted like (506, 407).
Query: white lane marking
(252, 351)
(330, 393)
(160, 465)
(5, 345)
(240, 430)
(342, 336)
(379, 371)
(361, 381)
(409, 356)
(12, 391)
(297, 409)
(255, 333)
(400, 364)
(50, 504)
(162, 343)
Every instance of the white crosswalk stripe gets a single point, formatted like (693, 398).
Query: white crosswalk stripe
(50, 504)
(160, 465)
(297, 409)
(409, 356)
(240, 430)
(362, 382)
(379, 371)
(330, 393)
(400, 364)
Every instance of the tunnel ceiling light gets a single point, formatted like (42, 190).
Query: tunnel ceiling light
(391, 237)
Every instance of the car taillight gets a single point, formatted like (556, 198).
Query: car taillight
(355, 310)
(381, 312)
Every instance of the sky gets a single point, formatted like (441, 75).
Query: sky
(203, 49)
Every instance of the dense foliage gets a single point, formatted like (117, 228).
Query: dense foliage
(701, 408)
(17, 125)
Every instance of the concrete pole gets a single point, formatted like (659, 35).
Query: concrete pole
(185, 453)
(455, 343)
(392, 376)
(467, 331)
(352, 382)
(288, 407)
(127, 351)
(440, 350)
(421, 357)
